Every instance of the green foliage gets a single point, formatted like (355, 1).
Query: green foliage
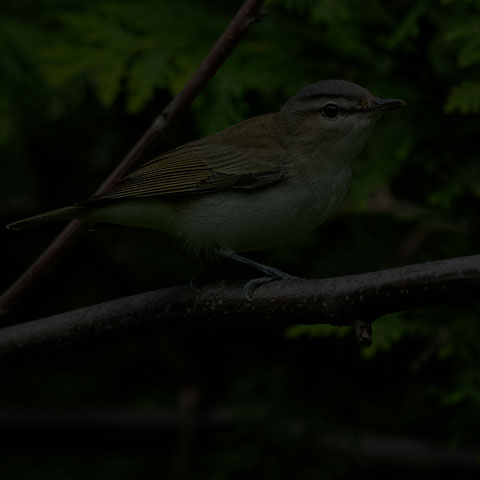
(467, 39)
(464, 98)
(18, 43)
(134, 42)
(316, 331)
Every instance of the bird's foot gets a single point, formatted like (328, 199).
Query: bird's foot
(250, 287)
(271, 273)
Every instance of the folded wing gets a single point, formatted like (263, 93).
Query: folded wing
(209, 165)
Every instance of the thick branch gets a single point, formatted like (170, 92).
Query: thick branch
(248, 13)
(336, 301)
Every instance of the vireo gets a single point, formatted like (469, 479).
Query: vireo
(254, 185)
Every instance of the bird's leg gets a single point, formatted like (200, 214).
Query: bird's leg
(267, 270)
(271, 273)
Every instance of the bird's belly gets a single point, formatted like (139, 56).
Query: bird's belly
(257, 220)
(238, 220)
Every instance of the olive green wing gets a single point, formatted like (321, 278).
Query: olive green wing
(201, 167)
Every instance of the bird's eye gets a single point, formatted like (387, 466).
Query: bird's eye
(330, 110)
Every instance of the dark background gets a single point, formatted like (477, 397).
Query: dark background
(79, 83)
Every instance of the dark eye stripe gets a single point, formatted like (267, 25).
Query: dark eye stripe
(343, 111)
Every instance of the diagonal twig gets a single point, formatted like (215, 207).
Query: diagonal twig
(248, 13)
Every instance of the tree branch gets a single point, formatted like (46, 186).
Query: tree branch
(248, 13)
(335, 301)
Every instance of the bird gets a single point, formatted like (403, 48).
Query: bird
(262, 182)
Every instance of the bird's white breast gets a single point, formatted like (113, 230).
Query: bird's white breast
(260, 219)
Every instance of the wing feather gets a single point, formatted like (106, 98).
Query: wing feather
(222, 161)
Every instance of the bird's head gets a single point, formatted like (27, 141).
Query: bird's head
(335, 113)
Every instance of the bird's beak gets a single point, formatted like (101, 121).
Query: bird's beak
(387, 104)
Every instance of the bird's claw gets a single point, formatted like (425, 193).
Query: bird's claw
(250, 287)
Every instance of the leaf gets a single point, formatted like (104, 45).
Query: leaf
(94, 48)
(316, 331)
(149, 71)
(387, 331)
(467, 39)
(464, 98)
(409, 27)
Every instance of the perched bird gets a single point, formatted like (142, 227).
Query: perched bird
(256, 184)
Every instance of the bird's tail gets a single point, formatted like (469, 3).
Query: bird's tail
(66, 213)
